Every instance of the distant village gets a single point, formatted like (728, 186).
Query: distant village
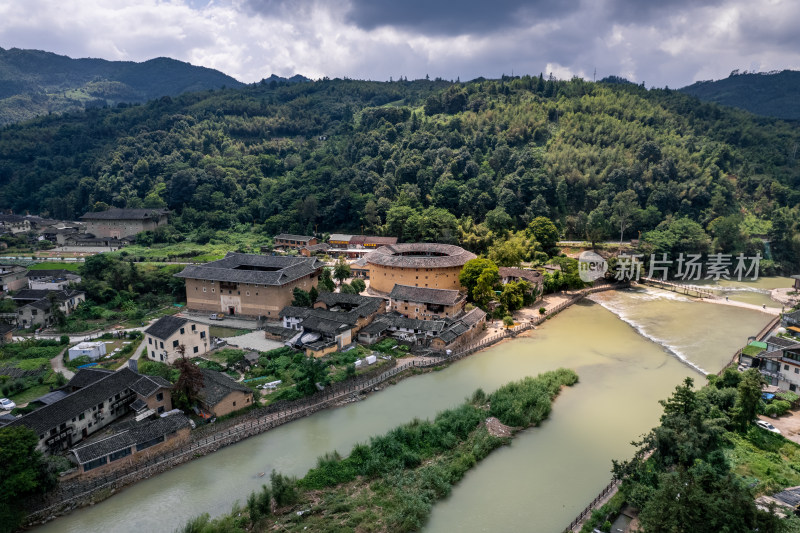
(410, 300)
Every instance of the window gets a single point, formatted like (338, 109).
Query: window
(786, 367)
(149, 340)
(94, 464)
(183, 331)
(175, 343)
(153, 354)
(162, 344)
(202, 334)
(234, 404)
(797, 370)
(194, 327)
(161, 409)
(204, 289)
(792, 387)
(195, 350)
(81, 416)
(160, 396)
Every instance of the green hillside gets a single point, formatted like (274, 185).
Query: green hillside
(422, 160)
(772, 94)
(33, 82)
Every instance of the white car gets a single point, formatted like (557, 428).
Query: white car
(769, 427)
(6, 404)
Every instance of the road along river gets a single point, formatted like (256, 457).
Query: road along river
(541, 481)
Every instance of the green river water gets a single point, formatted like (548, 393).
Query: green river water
(630, 349)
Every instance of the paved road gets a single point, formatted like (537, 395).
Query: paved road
(235, 322)
(254, 341)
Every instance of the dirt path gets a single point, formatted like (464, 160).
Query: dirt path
(722, 301)
(57, 363)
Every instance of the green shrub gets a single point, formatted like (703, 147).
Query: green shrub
(284, 489)
(542, 310)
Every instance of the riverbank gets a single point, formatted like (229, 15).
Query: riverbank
(390, 484)
(80, 494)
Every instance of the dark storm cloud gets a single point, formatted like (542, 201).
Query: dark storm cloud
(651, 12)
(443, 17)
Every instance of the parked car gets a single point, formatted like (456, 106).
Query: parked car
(6, 404)
(769, 427)
(216, 316)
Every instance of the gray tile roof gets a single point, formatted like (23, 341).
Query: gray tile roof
(780, 341)
(340, 237)
(530, 275)
(138, 405)
(291, 237)
(86, 376)
(5, 328)
(126, 214)
(166, 326)
(420, 255)
(36, 274)
(51, 397)
(325, 325)
(255, 269)
(473, 317)
(363, 306)
(148, 385)
(453, 332)
(138, 433)
(394, 320)
(425, 295)
(217, 386)
(38, 294)
(51, 416)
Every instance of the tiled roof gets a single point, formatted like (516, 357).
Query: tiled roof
(166, 326)
(453, 332)
(86, 376)
(280, 331)
(126, 214)
(531, 275)
(780, 341)
(255, 269)
(51, 397)
(138, 404)
(340, 237)
(381, 241)
(375, 328)
(290, 237)
(425, 295)
(473, 317)
(34, 274)
(5, 328)
(794, 316)
(328, 324)
(138, 433)
(50, 416)
(420, 255)
(294, 311)
(399, 321)
(38, 294)
(361, 305)
(217, 386)
(147, 385)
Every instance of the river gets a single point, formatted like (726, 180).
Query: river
(539, 482)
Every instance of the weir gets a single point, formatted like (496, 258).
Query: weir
(688, 290)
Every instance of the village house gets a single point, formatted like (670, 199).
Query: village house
(163, 339)
(791, 321)
(14, 224)
(332, 323)
(296, 242)
(314, 249)
(248, 284)
(460, 332)
(37, 307)
(12, 278)
(118, 223)
(411, 331)
(781, 366)
(51, 280)
(132, 442)
(360, 269)
(93, 400)
(509, 274)
(425, 303)
(221, 395)
(6, 333)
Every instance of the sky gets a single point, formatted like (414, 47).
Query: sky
(660, 43)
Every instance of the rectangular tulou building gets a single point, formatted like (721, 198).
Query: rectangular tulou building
(118, 223)
(248, 284)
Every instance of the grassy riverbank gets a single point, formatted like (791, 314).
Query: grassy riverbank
(392, 482)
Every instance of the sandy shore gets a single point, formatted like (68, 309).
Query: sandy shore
(722, 301)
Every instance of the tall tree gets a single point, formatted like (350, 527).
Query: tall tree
(623, 208)
(341, 271)
(24, 474)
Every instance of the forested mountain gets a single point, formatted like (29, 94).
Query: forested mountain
(33, 82)
(771, 94)
(422, 160)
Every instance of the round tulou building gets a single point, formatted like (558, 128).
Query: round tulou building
(431, 265)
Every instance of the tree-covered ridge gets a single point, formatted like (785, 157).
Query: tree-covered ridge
(422, 160)
(771, 94)
(33, 82)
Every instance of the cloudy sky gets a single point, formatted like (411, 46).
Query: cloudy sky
(659, 42)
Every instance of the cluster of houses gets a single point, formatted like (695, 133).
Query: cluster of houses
(340, 244)
(112, 228)
(778, 357)
(106, 419)
(40, 295)
(414, 296)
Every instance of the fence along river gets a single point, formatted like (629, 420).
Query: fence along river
(540, 482)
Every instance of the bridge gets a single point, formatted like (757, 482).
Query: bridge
(689, 290)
